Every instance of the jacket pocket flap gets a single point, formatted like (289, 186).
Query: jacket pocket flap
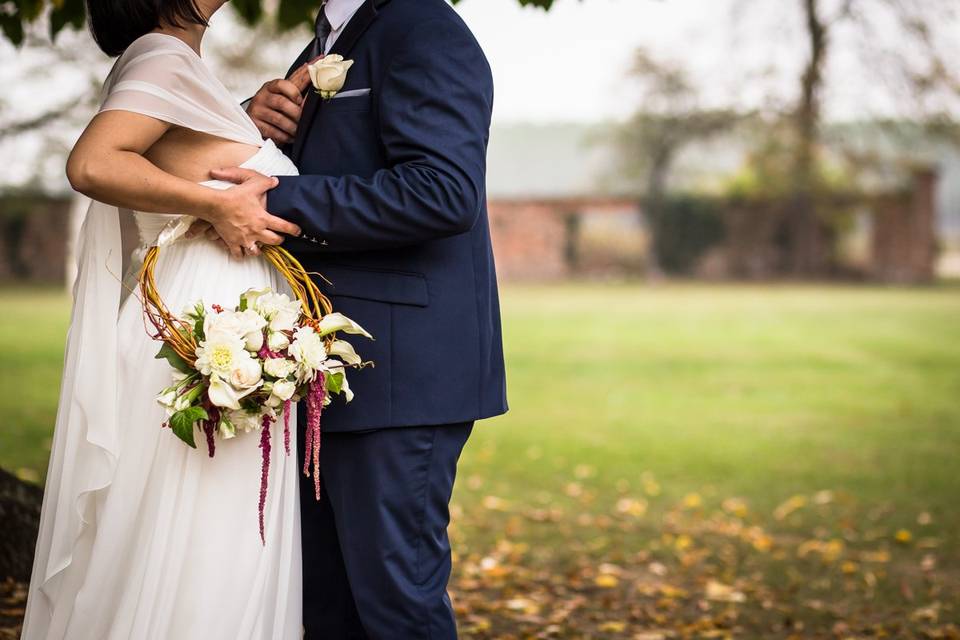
(395, 287)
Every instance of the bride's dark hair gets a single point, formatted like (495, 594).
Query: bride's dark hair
(117, 23)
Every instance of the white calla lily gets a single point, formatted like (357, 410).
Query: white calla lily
(338, 322)
(345, 351)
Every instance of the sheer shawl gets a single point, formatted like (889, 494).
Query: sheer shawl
(159, 76)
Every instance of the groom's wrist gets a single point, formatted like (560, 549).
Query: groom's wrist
(285, 201)
(280, 200)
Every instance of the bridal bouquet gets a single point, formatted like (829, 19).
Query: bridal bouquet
(239, 370)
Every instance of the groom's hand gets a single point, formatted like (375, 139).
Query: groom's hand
(275, 108)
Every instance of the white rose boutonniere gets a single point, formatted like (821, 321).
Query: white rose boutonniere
(328, 74)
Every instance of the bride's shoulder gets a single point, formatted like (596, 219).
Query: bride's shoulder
(158, 59)
(163, 47)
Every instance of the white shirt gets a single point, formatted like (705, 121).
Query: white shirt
(339, 13)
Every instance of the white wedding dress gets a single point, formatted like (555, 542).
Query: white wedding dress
(142, 537)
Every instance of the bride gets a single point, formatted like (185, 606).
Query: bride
(142, 537)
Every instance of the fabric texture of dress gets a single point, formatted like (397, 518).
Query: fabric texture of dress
(142, 537)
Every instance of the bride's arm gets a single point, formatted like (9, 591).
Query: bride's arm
(108, 165)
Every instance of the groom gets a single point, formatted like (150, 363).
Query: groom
(392, 203)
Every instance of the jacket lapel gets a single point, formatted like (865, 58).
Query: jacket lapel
(355, 28)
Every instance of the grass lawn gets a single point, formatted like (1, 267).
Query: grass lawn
(681, 461)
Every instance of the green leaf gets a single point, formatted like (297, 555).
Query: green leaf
(292, 13)
(334, 382)
(67, 12)
(249, 10)
(12, 27)
(182, 423)
(167, 353)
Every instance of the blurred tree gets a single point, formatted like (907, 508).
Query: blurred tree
(922, 69)
(16, 14)
(670, 118)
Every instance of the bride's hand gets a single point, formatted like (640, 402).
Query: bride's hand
(240, 217)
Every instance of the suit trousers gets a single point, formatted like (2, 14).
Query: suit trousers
(376, 556)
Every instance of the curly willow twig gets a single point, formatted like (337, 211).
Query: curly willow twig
(178, 333)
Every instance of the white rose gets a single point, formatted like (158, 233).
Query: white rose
(278, 367)
(246, 374)
(244, 421)
(281, 312)
(308, 348)
(283, 389)
(277, 341)
(329, 74)
(225, 395)
(246, 324)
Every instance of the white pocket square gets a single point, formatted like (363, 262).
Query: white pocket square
(353, 93)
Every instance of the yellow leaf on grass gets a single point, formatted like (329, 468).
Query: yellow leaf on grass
(613, 626)
(525, 605)
(631, 507)
(875, 556)
(692, 500)
(606, 581)
(736, 507)
(493, 503)
(650, 485)
(789, 506)
(903, 536)
(723, 593)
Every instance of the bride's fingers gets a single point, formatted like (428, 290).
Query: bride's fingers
(199, 227)
(269, 237)
(237, 175)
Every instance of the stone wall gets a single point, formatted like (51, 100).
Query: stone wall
(904, 243)
(555, 239)
(34, 232)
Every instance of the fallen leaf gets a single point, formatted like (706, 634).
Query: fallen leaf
(789, 506)
(720, 592)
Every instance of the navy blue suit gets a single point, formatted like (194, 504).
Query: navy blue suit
(392, 202)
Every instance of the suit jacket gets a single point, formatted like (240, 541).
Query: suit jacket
(392, 202)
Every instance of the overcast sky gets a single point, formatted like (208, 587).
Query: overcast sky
(571, 63)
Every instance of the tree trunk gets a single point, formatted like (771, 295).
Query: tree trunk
(20, 515)
(806, 253)
(653, 207)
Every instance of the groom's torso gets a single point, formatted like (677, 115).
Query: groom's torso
(432, 307)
